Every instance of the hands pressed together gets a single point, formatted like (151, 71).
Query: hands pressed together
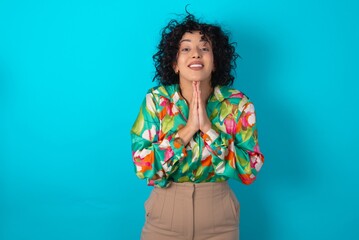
(198, 118)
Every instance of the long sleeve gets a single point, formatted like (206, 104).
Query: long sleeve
(155, 152)
(235, 150)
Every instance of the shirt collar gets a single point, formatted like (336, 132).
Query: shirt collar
(220, 93)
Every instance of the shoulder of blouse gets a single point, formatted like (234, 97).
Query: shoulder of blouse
(164, 91)
(232, 95)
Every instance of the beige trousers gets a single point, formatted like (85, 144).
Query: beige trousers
(188, 211)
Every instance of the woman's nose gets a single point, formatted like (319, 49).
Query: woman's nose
(196, 53)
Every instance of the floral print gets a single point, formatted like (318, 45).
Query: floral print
(228, 150)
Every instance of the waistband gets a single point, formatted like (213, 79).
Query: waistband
(206, 189)
(200, 185)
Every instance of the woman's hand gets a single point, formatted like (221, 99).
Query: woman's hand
(204, 122)
(193, 119)
(192, 126)
(197, 118)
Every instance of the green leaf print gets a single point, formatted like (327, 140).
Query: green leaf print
(138, 125)
(183, 179)
(243, 162)
(226, 109)
(140, 175)
(200, 170)
(214, 113)
(246, 135)
(167, 123)
(185, 168)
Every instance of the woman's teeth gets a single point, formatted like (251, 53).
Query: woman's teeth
(196, 65)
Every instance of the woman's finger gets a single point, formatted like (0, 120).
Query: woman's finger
(198, 85)
(194, 97)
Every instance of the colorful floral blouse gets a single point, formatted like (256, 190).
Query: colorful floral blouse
(228, 150)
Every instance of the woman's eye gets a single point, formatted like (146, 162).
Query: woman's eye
(184, 49)
(206, 49)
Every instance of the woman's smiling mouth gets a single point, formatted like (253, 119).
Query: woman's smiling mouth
(196, 66)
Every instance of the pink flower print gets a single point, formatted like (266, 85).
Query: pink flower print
(256, 161)
(151, 182)
(237, 95)
(230, 125)
(248, 119)
(256, 148)
(168, 154)
(165, 145)
(149, 134)
(164, 102)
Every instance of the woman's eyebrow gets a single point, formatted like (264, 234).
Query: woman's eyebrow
(185, 40)
(189, 40)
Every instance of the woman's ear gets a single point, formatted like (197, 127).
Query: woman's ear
(175, 68)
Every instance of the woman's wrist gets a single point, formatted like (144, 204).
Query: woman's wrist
(206, 127)
(186, 133)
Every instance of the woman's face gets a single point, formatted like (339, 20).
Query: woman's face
(194, 58)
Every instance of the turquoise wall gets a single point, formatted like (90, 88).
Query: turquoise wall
(72, 77)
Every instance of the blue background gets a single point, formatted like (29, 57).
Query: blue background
(73, 75)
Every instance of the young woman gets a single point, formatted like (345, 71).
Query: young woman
(192, 134)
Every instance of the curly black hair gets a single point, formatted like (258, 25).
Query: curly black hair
(223, 51)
